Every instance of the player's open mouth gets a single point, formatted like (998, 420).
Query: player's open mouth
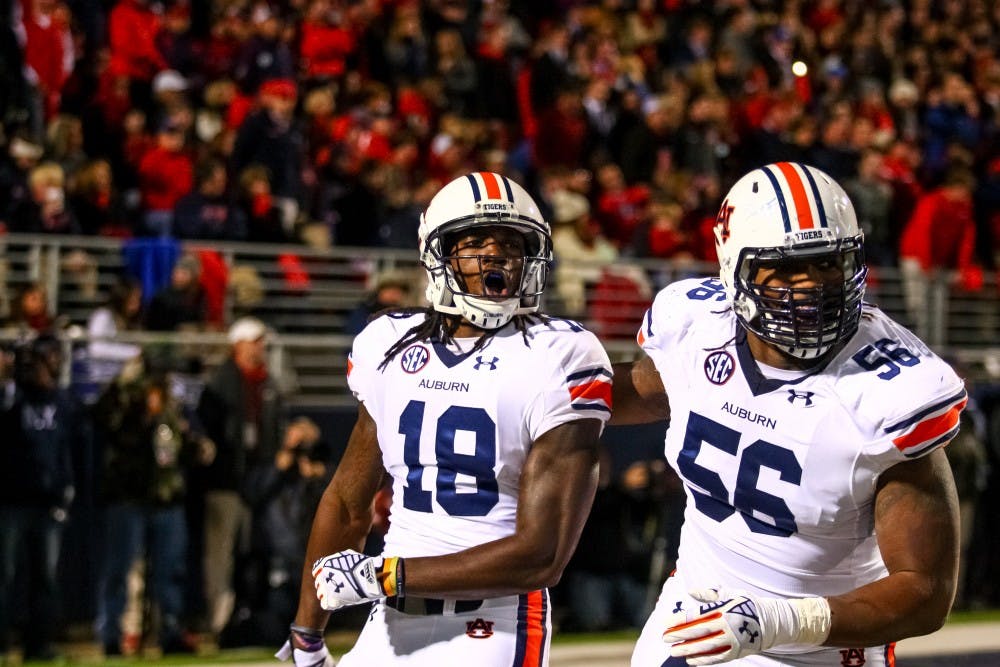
(495, 283)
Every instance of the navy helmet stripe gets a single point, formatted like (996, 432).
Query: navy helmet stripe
(506, 186)
(476, 194)
(781, 198)
(815, 189)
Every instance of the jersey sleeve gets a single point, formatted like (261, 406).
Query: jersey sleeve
(672, 315)
(576, 382)
(918, 408)
(367, 352)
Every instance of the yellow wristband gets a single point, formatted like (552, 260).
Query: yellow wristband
(389, 576)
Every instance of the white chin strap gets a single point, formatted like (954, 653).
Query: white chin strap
(485, 313)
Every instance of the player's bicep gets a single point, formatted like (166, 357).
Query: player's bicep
(917, 520)
(347, 501)
(558, 483)
(638, 394)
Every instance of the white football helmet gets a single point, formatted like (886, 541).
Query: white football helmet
(790, 210)
(484, 199)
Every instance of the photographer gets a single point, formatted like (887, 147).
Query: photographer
(283, 497)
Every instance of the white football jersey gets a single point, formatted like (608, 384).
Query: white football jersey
(780, 473)
(456, 426)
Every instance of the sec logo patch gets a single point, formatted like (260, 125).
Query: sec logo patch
(414, 358)
(719, 367)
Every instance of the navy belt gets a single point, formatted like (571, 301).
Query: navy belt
(429, 606)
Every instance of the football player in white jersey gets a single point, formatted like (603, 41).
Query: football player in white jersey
(486, 415)
(808, 428)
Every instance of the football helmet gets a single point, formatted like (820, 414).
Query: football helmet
(790, 211)
(479, 200)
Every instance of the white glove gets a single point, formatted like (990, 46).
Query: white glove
(731, 625)
(315, 656)
(347, 578)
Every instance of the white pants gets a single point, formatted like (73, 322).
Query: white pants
(509, 631)
(651, 651)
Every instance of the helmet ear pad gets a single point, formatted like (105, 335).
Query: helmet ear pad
(791, 211)
(460, 207)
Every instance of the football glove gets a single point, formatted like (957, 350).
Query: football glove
(730, 625)
(306, 650)
(347, 578)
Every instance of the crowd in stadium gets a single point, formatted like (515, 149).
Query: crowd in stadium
(330, 122)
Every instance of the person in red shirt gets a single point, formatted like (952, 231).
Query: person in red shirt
(938, 240)
(166, 173)
(132, 30)
(48, 50)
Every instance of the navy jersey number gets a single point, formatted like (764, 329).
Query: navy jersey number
(747, 498)
(885, 352)
(450, 463)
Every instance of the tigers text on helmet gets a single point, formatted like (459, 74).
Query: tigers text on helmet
(791, 211)
(477, 201)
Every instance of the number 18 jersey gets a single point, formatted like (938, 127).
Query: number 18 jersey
(780, 468)
(456, 425)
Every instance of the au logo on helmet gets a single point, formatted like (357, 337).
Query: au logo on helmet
(725, 211)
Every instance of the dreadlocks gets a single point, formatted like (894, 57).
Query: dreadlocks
(441, 327)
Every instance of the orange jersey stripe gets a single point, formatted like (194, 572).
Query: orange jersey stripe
(930, 428)
(535, 618)
(598, 389)
(640, 338)
(799, 197)
(350, 367)
(492, 187)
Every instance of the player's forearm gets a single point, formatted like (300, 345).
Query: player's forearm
(504, 567)
(637, 397)
(904, 604)
(336, 526)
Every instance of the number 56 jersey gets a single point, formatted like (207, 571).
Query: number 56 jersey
(780, 467)
(455, 427)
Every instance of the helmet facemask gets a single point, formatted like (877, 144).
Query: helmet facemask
(803, 322)
(487, 290)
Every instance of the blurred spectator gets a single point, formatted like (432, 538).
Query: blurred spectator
(256, 203)
(97, 203)
(22, 155)
(45, 211)
(132, 30)
(30, 313)
(123, 312)
(390, 290)
(241, 410)
(166, 173)
(969, 459)
(580, 248)
(939, 239)
(620, 207)
(872, 199)
(181, 304)
(606, 580)
(662, 234)
(325, 43)
(207, 212)
(283, 497)
(64, 144)
(146, 446)
(266, 55)
(44, 430)
(269, 137)
(48, 51)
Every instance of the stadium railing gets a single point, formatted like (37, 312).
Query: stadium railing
(306, 294)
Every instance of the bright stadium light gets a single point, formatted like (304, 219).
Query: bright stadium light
(799, 68)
